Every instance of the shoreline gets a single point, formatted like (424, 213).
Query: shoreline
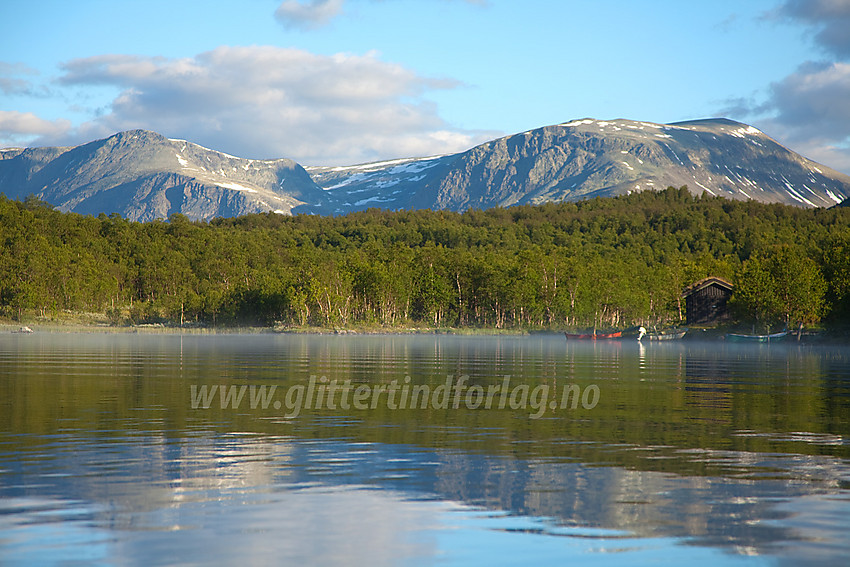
(92, 323)
(707, 335)
(155, 329)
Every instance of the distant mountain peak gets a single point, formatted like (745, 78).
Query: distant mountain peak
(143, 175)
(590, 157)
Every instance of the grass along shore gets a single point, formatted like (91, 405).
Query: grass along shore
(83, 322)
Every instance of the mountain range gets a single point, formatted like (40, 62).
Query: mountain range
(143, 175)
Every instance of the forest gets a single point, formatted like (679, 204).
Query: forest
(601, 263)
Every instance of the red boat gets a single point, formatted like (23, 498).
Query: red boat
(595, 336)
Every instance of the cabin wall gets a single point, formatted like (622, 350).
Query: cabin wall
(708, 305)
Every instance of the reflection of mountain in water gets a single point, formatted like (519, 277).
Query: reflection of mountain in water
(158, 475)
(688, 441)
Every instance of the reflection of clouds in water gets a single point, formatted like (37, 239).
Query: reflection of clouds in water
(229, 464)
(819, 522)
(243, 498)
(312, 524)
(308, 526)
(234, 498)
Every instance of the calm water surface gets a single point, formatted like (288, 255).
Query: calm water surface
(117, 449)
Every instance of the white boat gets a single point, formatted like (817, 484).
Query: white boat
(738, 337)
(667, 335)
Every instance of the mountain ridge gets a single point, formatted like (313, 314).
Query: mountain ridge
(143, 175)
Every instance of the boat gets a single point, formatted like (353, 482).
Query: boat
(594, 336)
(665, 335)
(23, 330)
(737, 337)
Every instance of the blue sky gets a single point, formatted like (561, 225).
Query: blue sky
(349, 81)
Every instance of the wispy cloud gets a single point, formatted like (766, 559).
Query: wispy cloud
(312, 14)
(307, 14)
(263, 102)
(17, 79)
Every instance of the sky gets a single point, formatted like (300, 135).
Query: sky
(340, 82)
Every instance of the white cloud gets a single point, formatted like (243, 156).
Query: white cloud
(20, 128)
(265, 102)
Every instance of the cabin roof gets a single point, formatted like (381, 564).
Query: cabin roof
(706, 282)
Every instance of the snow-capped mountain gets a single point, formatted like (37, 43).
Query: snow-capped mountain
(587, 158)
(143, 175)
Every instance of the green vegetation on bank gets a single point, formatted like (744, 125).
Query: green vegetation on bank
(601, 263)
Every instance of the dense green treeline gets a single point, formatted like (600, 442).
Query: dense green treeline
(597, 263)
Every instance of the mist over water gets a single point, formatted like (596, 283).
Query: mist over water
(701, 452)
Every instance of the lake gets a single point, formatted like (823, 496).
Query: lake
(268, 449)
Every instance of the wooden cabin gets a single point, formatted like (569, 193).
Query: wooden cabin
(706, 301)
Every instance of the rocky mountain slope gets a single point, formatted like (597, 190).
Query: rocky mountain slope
(143, 175)
(587, 158)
